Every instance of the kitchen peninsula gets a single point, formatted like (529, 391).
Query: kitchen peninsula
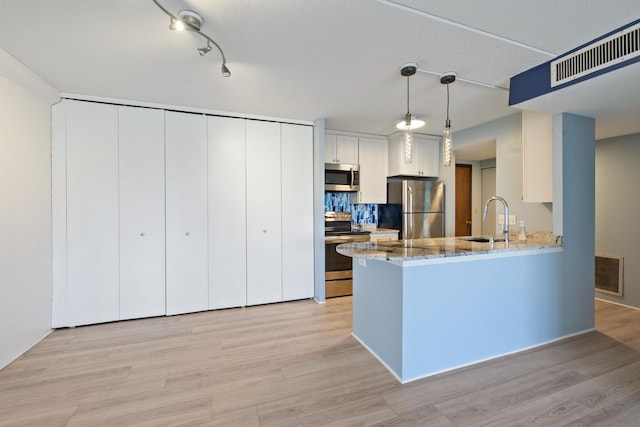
(426, 306)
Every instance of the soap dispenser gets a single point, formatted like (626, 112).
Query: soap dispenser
(522, 235)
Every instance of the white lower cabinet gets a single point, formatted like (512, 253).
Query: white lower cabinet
(264, 212)
(92, 290)
(227, 213)
(297, 212)
(187, 283)
(141, 206)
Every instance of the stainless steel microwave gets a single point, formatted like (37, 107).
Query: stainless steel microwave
(341, 177)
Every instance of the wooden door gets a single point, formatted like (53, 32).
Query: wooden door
(227, 213)
(463, 200)
(187, 238)
(141, 195)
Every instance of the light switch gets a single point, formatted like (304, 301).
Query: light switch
(512, 219)
(362, 262)
(501, 219)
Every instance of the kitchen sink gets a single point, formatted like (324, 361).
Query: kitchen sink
(481, 239)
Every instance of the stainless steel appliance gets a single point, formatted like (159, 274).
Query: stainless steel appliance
(341, 177)
(415, 207)
(338, 268)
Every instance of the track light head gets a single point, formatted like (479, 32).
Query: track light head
(204, 50)
(225, 70)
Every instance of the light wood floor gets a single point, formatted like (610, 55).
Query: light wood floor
(295, 364)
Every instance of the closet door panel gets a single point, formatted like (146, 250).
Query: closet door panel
(92, 213)
(141, 171)
(264, 200)
(186, 224)
(297, 212)
(227, 213)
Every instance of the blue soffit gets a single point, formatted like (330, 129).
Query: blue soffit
(536, 81)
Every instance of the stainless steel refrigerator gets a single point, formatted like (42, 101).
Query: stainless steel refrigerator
(415, 207)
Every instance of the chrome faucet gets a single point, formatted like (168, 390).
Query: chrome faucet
(505, 229)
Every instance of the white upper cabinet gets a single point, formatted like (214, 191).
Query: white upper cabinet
(537, 168)
(340, 149)
(297, 212)
(92, 289)
(373, 170)
(227, 213)
(264, 216)
(425, 160)
(187, 283)
(141, 206)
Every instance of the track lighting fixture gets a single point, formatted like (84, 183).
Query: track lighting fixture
(410, 122)
(192, 21)
(204, 50)
(447, 140)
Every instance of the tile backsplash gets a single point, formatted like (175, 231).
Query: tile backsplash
(361, 213)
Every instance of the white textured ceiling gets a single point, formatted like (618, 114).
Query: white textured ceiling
(305, 59)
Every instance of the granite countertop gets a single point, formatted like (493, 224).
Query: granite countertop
(420, 249)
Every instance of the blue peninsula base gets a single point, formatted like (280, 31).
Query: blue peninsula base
(425, 318)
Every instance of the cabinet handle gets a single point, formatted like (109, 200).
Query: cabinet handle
(142, 234)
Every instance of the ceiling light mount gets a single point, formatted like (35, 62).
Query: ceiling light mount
(408, 69)
(192, 21)
(448, 77)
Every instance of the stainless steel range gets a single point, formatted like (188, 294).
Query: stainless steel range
(337, 273)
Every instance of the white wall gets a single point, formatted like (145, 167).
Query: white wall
(507, 133)
(25, 208)
(617, 207)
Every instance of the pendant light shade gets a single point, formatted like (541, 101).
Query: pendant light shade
(410, 122)
(447, 140)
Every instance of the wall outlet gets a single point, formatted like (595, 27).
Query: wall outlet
(512, 219)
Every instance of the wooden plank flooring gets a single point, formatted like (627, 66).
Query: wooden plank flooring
(295, 364)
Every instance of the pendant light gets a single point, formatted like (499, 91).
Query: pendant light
(410, 122)
(447, 141)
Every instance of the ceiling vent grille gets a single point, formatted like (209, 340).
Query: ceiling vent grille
(614, 49)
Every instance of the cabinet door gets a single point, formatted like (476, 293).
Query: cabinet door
(428, 157)
(373, 170)
(397, 165)
(92, 213)
(297, 212)
(227, 213)
(346, 149)
(141, 175)
(186, 229)
(330, 148)
(264, 255)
